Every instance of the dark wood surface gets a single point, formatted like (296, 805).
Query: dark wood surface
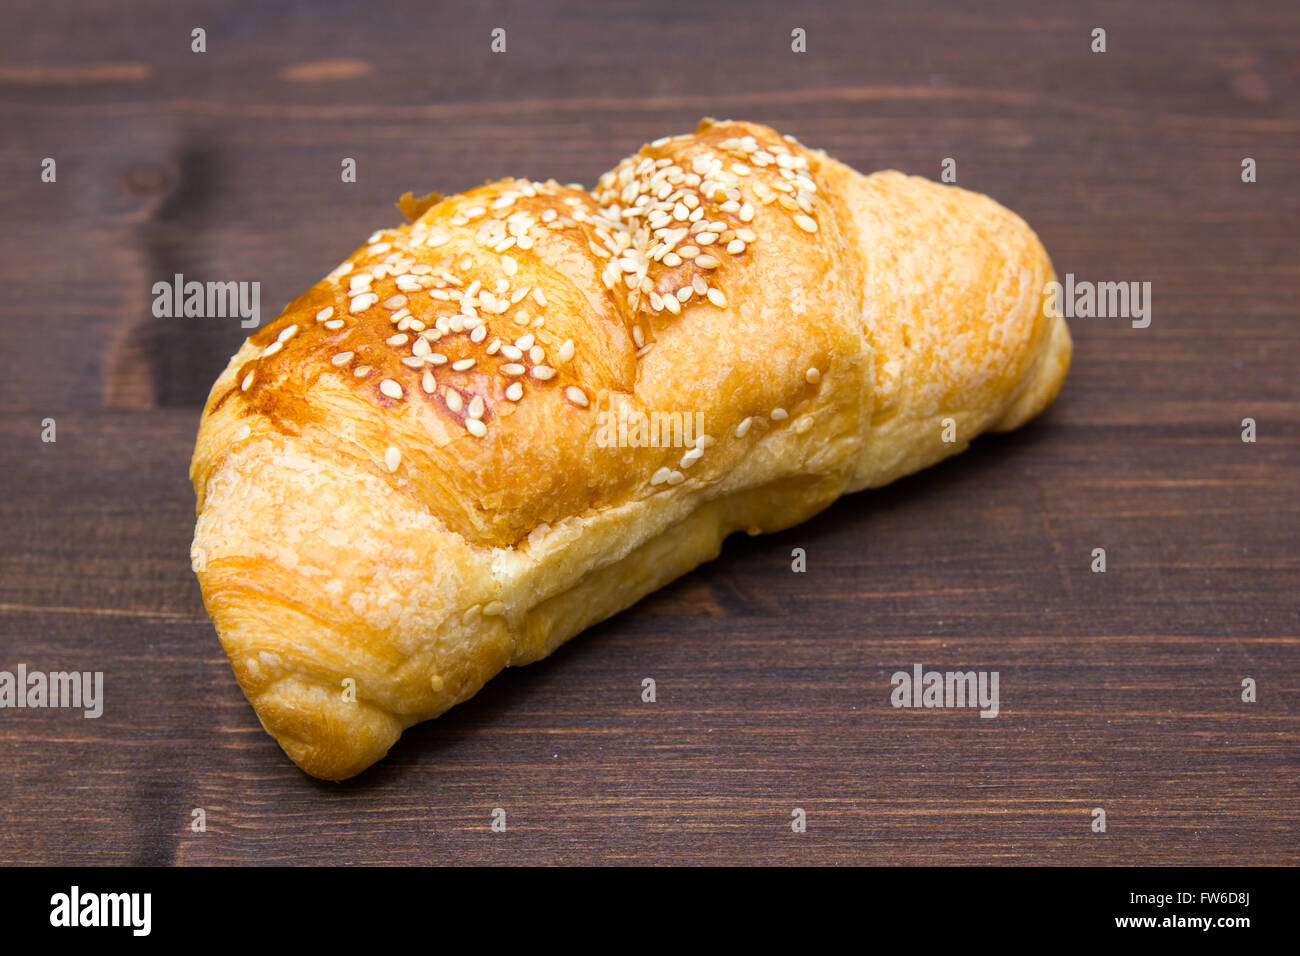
(1118, 690)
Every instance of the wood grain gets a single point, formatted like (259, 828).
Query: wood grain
(1119, 690)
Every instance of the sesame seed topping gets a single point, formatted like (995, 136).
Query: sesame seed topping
(813, 375)
(512, 368)
(675, 478)
(399, 339)
(287, 333)
(576, 395)
(743, 428)
(334, 324)
(543, 372)
(476, 407)
(362, 302)
(454, 400)
(394, 302)
(660, 476)
(806, 223)
(475, 427)
(566, 350)
(515, 392)
(248, 380)
(390, 388)
(428, 382)
(717, 298)
(779, 414)
(803, 424)
(324, 313)
(464, 365)
(361, 371)
(272, 348)
(342, 358)
(392, 458)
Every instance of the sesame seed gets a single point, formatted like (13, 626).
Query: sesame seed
(392, 458)
(475, 427)
(566, 350)
(248, 380)
(361, 371)
(411, 361)
(334, 324)
(540, 296)
(324, 313)
(399, 339)
(428, 382)
(743, 427)
(342, 358)
(272, 349)
(390, 388)
(454, 400)
(806, 223)
(813, 375)
(543, 372)
(363, 302)
(576, 395)
(464, 365)
(287, 333)
(707, 262)
(691, 457)
(672, 305)
(675, 478)
(536, 355)
(747, 212)
(479, 334)
(735, 247)
(512, 368)
(476, 407)
(394, 302)
(525, 342)
(360, 282)
(515, 392)
(803, 424)
(699, 285)
(435, 358)
(512, 352)
(779, 414)
(660, 476)
(717, 298)
(509, 265)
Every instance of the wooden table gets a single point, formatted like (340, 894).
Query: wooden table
(1119, 690)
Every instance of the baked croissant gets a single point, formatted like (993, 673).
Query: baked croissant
(407, 482)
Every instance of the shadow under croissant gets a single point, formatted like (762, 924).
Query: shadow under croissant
(421, 747)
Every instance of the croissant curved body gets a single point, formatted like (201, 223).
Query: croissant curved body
(402, 486)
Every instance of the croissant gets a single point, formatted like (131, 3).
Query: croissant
(435, 463)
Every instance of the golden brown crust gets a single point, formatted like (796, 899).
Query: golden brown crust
(403, 484)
